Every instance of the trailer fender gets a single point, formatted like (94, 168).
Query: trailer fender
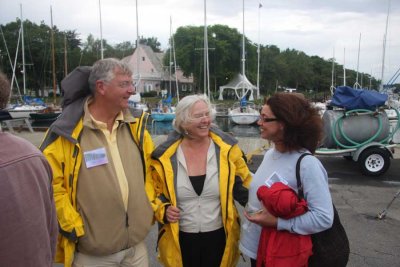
(358, 152)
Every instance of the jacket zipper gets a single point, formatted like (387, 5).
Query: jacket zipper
(75, 154)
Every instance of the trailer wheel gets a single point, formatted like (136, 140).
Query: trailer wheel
(374, 161)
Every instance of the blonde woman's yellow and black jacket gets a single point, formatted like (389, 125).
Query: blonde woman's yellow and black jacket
(62, 149)
(234, 180)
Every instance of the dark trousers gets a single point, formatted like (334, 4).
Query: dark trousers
(253, 262)
(202, 249)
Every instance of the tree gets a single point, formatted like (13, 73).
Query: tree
(152, 42)
(224, 45)
(289, 67)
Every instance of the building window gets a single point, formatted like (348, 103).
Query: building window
(148, 87)
(143, 58)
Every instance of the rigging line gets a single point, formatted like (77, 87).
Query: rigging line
(30, 55)
(9, 57)
(173, 51)
(15, 64)
(42, 75)
(384, 46)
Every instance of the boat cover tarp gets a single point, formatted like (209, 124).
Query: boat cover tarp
(238, 83)
(33, 100)
(350, 98)
(168, 100)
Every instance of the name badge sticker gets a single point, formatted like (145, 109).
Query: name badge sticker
(95, 157)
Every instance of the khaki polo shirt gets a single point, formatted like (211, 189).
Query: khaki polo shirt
(116, 157)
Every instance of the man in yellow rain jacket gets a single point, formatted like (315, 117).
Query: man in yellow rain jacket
(100, 155)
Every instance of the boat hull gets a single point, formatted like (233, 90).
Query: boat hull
(44, 117)
(24, 111)
(5, 115)
(244, 115)
(20, 114)
(163, 116)
(243, 118)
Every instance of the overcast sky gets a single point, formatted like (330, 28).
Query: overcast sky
(317, 27)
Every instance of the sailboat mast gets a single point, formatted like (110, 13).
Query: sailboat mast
(384, 46)
(23, 52)
(357, 85)
(206, 63)
(176, 77)
(258, 54)
(170, 56)
(344, 67)
(65, 56)
(101, 33)
(243, 55)
(137, 52)
(53, 58)
(332, 88)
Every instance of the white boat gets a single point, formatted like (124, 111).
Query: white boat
(134, 102)
(244, 115)
(244, 112)
(23, 111)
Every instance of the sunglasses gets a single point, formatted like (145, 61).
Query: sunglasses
(267, 119)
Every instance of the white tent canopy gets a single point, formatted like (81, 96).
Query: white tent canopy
(241, 85)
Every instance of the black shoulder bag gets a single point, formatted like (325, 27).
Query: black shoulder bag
(330, 247)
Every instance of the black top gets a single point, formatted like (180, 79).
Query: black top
(198, 183)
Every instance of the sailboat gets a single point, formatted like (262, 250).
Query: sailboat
(244, 112)
(30, 105)
(135, 101)
(164, 112)
(49, 114)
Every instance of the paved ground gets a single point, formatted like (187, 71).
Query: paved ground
(358, 199)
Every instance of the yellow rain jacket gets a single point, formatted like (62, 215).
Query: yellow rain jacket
(62, 149)
(234, 180)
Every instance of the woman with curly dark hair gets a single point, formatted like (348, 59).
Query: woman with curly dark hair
(293, 125)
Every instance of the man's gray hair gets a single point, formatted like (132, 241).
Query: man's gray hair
(105, 70)
(183, 110)
(5, 90)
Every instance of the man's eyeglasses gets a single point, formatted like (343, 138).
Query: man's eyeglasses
(263, 119)
(126, 84)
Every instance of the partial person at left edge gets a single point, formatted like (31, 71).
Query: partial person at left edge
(28, 222)
(100, 157)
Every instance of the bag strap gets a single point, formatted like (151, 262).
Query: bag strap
(300, 192)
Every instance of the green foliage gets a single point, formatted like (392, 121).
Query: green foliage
(288, 68)
(152, 42)
(69, 50)
(224, 53)
(149, 94)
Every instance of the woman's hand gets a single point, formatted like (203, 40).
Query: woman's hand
(263, 218)
(172, 214)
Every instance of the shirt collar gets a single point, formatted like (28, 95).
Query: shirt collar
(123, 116)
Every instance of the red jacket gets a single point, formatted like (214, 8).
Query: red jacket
(282, 248)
